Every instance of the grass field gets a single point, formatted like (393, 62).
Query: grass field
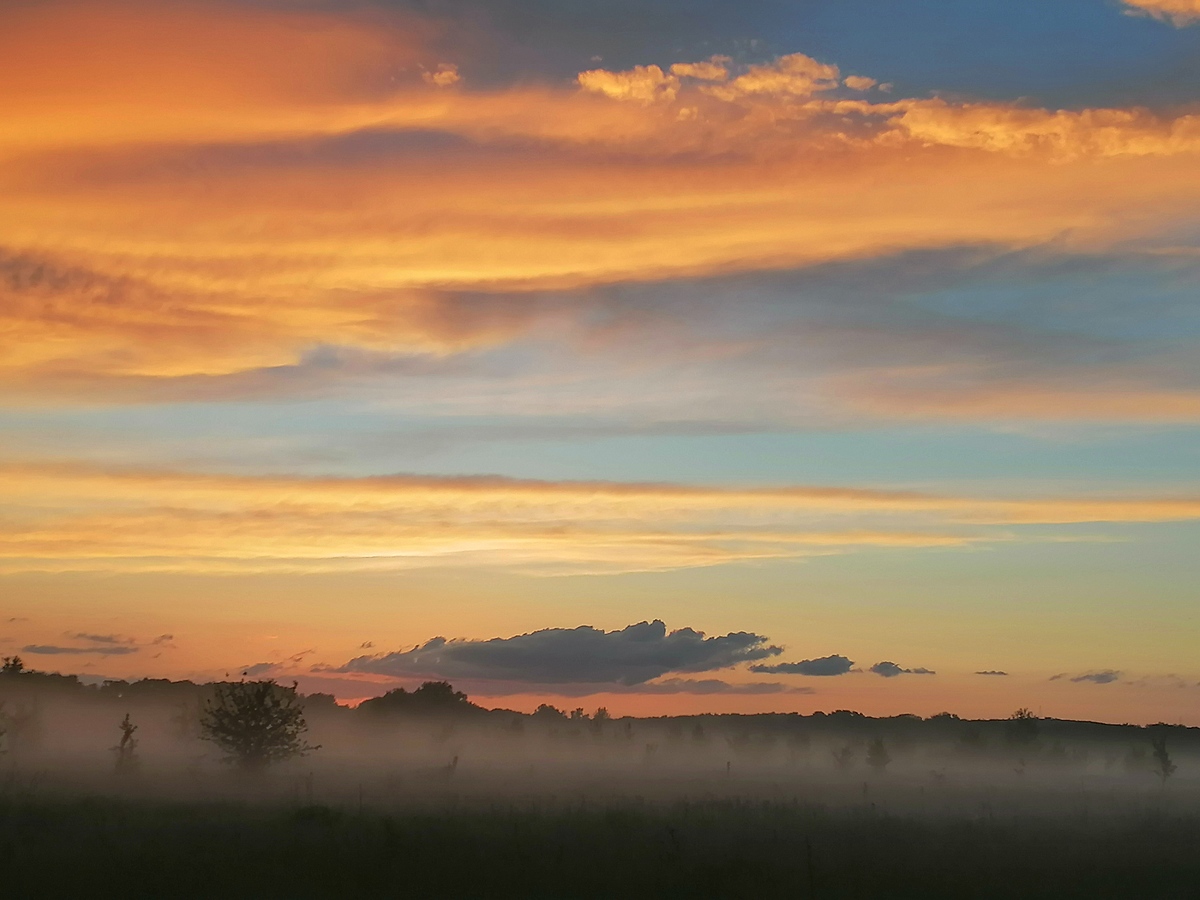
(721, 849)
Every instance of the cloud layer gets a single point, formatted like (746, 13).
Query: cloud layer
(181, 206)
(63, 518)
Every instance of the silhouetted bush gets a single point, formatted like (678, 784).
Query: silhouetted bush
(255, 723)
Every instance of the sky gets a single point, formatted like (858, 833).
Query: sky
(674, 357)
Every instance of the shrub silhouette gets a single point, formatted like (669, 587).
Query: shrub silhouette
(256, 723)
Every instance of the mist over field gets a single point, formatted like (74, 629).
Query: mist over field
(825, 803)
(432, 743)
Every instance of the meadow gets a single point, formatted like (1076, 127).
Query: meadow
(434, 797)
(60, 847)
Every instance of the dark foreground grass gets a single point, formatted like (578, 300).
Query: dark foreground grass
(113, 848)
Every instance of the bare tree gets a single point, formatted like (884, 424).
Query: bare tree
(1163, 767)
(126, 750)
(256, 723)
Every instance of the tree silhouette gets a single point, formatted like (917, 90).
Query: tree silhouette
(1163, 767)
(547, 713)
(877, 755)
(256, 723)
(126, 750)
(433, 698)
(13, 665)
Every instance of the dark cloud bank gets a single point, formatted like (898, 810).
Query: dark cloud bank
(825, 666)
(890, 670)
(584, 655)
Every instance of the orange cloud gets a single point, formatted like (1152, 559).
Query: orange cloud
(177, 201)
(79, 518)
(642, 84)
(135, 71)
(1179, 12)
(794, 75)
(445, 75)
(1063, 134)
(713, 69)
(859, 82)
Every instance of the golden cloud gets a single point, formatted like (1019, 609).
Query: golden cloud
(1179, 12)
(713, 69)
(178, 197)
(76, 517)
(794, 75)
(641, 84)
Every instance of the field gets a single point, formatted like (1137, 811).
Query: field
(468, 803)
(718, 848)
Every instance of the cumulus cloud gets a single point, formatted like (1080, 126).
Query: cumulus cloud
(631, 656)
(445, 75)
(641, 84)
(714, 69)
(824, 666)
(859, 82)
(93, 650)
(891, 670)
(794, 75)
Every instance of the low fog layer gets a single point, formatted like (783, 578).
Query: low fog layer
(432, 746)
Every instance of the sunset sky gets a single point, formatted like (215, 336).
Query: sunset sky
(667, 355)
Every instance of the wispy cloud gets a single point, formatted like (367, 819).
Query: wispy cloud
(102, 638)
(87, 650)
(1105, 676)
(62, 518)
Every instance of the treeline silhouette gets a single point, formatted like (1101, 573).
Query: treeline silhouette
(1022, 733)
